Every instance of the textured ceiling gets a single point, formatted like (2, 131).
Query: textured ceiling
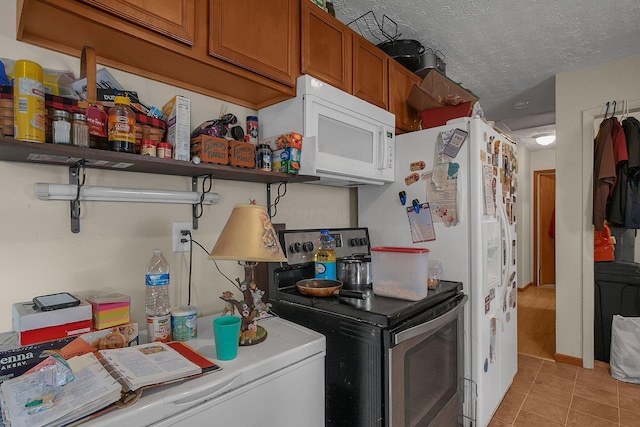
(507, 51)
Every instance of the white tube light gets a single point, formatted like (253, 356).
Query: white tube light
(45, 191)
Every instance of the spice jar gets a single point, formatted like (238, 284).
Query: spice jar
(61, 127)
(163, 150)
(148, 147)
(80, 130)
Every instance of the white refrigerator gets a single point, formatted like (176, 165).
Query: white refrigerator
(462, 177)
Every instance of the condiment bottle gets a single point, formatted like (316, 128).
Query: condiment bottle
(61, 127)
(122, 126)
(80, 130)
(325, 257)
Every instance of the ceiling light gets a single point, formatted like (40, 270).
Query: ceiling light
(521, 105)
(545, 138)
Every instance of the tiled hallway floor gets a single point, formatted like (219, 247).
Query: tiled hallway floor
(548, 394)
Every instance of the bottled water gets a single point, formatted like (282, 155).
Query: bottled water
(157, 305)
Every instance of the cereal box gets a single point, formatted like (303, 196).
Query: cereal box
(178, 113)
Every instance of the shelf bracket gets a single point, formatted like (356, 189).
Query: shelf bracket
(269, 200)
(74, 205)
(195, 216)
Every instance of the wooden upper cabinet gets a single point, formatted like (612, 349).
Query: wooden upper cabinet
(257, 35)
(370, 76)
(172, 18)
(326, 46)
(401, 80)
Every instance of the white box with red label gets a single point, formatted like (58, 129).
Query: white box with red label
(35, 326)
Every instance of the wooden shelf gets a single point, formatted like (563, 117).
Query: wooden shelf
(64, 155)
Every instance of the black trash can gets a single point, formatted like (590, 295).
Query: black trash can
(617, 291)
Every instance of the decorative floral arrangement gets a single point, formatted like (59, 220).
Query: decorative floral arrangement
(250, 308)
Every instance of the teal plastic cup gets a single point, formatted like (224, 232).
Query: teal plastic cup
(226, 331)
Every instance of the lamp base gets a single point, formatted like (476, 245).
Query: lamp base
(261, 335)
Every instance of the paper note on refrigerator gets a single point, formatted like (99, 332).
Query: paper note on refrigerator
(443, 202)
(421, 224)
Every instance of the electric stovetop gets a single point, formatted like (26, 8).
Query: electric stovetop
(374, 309)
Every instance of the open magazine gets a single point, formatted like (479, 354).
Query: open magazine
(101, 379)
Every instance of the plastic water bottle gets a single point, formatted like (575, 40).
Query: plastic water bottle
(157, 305)
(325, 257)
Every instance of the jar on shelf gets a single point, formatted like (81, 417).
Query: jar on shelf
(80, 130)
(61, 127)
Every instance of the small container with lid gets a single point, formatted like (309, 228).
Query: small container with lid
(80, 130)
(61, 127)
(122, 126)
(263, 157)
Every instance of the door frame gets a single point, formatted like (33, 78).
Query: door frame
(536, 220)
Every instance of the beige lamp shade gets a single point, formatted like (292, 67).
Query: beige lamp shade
(248, 235)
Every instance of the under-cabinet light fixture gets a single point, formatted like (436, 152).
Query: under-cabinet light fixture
(69, 192)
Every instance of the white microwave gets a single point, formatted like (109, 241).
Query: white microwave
(347, 141)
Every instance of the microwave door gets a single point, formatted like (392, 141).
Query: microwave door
(347, 142)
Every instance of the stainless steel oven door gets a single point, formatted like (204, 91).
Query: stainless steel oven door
(426, 368)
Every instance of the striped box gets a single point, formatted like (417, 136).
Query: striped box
(110, 310)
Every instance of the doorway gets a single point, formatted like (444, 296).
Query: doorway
(537, 304)
(544, 250)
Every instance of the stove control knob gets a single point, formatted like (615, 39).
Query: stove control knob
(363, 241)
(307, 246)
(353, 242)
(295, 247)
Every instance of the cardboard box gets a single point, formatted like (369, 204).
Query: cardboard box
(35, 326)
(242, 154)
(15, 362)
(437, 90)
(210, 149)
(178, 113)
(110, 310)
(441, 115)
(287, 151)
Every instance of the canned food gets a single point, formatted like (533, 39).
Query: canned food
(28, 98)
(252, 128)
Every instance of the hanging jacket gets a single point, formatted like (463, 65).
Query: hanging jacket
(631, 128)
(604, 172)
(616, 204)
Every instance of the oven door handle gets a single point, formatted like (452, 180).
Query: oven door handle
(431, 325)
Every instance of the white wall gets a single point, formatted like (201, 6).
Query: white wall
(542, 160)
(524, 208)
(578, 91)
(40, 255)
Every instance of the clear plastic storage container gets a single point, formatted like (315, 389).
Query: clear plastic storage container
(400, 272)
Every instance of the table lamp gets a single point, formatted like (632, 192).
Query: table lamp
(248, 237)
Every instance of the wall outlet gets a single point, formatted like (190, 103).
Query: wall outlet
(178, 246)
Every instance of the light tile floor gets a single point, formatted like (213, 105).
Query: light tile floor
(549, 394)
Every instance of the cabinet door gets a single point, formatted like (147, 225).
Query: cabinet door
(260, 36)
(401, 81)
(370, 76)
(172, 18)
(326, 47)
